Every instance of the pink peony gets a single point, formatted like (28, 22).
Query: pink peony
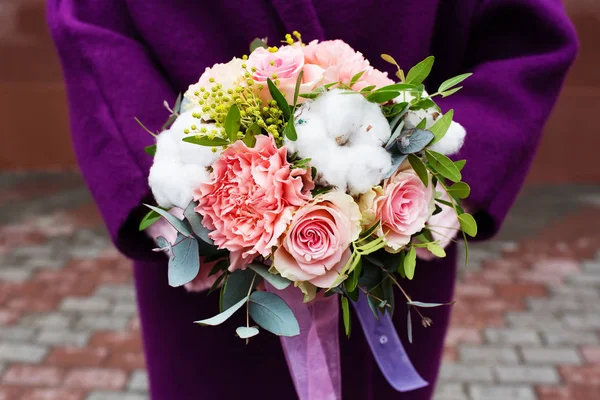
(403, 206)
(444, 226)
(315, 247)
(251, 198)
(284, 65)
(336, 61)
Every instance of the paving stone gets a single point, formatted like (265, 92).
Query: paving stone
(102, 322)
(125, 292)
(575, 292)
(96, 378)
(53, 394)
(569, 337)
(450, 391)
(526, 374)
(586, 322)
(500, 392)
(14, 274)
(465, 373)
(32, 375)
(508, 336)
(85, 304)
(138, 381)
(21, 352)
(63, 337)
(533, 320)
(552, 356)
(488, 355)
(16, 333)
(48, 320)
(116, 396)
(591, 279)
(125, 308)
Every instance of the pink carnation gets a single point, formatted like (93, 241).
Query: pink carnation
(251, 198)
(403, 206)
(315, 247)
(336, 61)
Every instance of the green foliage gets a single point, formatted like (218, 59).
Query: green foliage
(290, 130)
(195, 221)
(440, 127)
(236, 287)
(459, 190)
(346, 315)
(277, 281)
(184, 263)
(414, 140)
(178, 224)
(206, 141)
(232, 123)
(270, 312)
(246, 332)
(410, 263)
(420, 72)
(420, 169)
(382, 96)
(468, 224)
(451, 91)
(453, 82)
(279, 99)
(251, 133)
(297, 88)
(149, 219)
(355, 78)
(223, 316)
(436, 249)
(256, 43)
(151, 150)
(443, 165)
(460, 164)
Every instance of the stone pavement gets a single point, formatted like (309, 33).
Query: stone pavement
(526, 324)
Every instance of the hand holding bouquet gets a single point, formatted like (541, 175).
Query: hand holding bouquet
(305, 168)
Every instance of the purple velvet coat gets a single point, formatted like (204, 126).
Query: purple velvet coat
(123, 58)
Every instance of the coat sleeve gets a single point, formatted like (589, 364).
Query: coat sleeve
(519, 52)
(111, 78)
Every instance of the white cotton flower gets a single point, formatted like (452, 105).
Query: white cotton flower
(179, 167)
(452, 140)
(343, 134)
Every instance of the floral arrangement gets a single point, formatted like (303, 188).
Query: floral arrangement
(303, 166)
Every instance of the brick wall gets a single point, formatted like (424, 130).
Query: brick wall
(30, 77)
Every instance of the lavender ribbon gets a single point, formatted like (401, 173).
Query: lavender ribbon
(313, 357)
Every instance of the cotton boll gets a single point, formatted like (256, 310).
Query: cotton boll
(452, 140)
(192, 153)
(332, 163)
(374, 129)
(172, 183)
(414, 117)
(367, 169)
(342, 113)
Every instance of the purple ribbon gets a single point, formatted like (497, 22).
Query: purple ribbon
(313, 357)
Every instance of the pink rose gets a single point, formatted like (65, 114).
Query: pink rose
(284, 65)
(403, 206)
(336, 61)
(251, 198)
(444, 226)
(315, 247)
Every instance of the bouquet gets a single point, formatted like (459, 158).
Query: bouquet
(300, 175)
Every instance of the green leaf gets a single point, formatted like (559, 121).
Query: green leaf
(382, 97)
(427, 305)
(309, 95)
(409, 327)
(246, 332)
(178, 224)
(251, 133)
(423, 104)
(388, 291)
(420, 169)
(224, 316)
(184, 263)
(468, 224)
(169, 122)
(218, 267)
(451, 91)
(436, 250)
(279, 98)
(150, 149)
(398, 87)
(149, 219)
(278, 281)
(389, 59)
(410, 263)
(232, 123)
(177, 107)
(373, 307)
(236, 287)
(346, 315)
(206, 141)
(459, 190)
(290, 130)
(440, 127)
(270, 312)
(460, 164)
(195, 221)
(420, 72)
(352, 282)
(297, 89)
(443, 165)
(356, 77)
(215, 285)
(400, 266)
(422, 124)
(256, 43)
(367, 88)
(453, 82)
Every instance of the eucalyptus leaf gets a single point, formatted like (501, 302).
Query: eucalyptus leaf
(163, 244)
(218, 267)
(256, 43)
(178, 224)
(195, 221)
(236, 287)
(410, 263)
(150, 149)
(232, 123)
(440, 127)
(177, 107)
(394, 138)
(346, 315)
(459, 190)
(206, 141)
(413, 140)
(409, 327)
(184, 263)
(453, 82)
(279, 99)
(149, 219)
(420, 168)
(278, 281)
(224, 316)
(270, 312)
(397, 160)
(246, 332)
(420, 72)
(169, 122)
(443, 165)
(428, 305)
(468, 224)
